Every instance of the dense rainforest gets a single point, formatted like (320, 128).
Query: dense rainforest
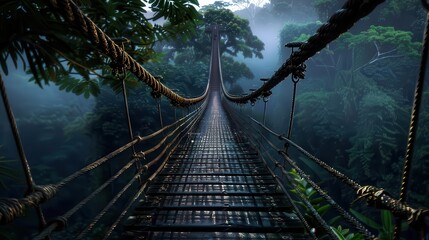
(352, 110)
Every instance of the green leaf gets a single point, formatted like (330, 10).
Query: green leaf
(366, 220)
(386, 221)
(338, 233)
(323, 209)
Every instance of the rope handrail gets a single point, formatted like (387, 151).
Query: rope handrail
(58, 223)
(23, 159)
(357, 225)
(74, 15)
(111, 203)
(412, 131)
(298, 211)
(148, 180)
(374, 196)
(10, 208)
(338, 23)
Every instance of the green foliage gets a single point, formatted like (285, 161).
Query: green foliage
(290, 32)
(378, 135)
(357, 103)
(387, 36)
(34, 35)
(217, 5)
(345, 234)
(325, 8)
(233, 70)
(318, 111)
(385, 228)
(302, 187)
(236, 35)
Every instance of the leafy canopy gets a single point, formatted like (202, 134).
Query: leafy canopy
(402, 40)
(35, 36)
(236, 35)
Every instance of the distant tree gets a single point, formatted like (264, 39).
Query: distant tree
(235, 34)
(217, 5)
(250, 7)
(285, 7)
(325, 8)
(235, 38)
(387, 43)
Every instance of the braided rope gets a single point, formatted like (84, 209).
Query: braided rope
(73, 15)
(245, 125)
(24, 162)
(150, 179)
(365, 232)
(11, 208)
(56, 224)
(113, 201)
(338, 208)
(304, 200)
(341, 176)
(413, 123)
(340, 22)
(375, 197)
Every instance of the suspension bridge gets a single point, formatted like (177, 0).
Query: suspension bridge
(209, 179)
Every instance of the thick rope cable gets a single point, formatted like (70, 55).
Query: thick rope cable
(58, 224)
(144, 168)
(158, 107)
(374, 196)
(294, 206)
(23, 159)
(338, 23)
(292, 202)
(414, 123)
(110, 205)
(304, 200)
(109, 156)
(322, 164)
(113, 201)
(127, 112)
(292, 109)
(73, 15)
(11, 208)
(356, 224)
(148, 181)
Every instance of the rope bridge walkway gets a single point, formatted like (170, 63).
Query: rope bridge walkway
(202, 177)
(214, 182)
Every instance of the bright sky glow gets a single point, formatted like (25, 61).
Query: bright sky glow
(207, 2)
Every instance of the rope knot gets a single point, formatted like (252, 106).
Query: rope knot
(298, 72)
(370, 193)
(10, 208)
(139, 138)
(47, 191)
(266, 95)
(253, 101)
(139, 155)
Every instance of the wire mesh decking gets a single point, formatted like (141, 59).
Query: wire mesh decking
(214, 186)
